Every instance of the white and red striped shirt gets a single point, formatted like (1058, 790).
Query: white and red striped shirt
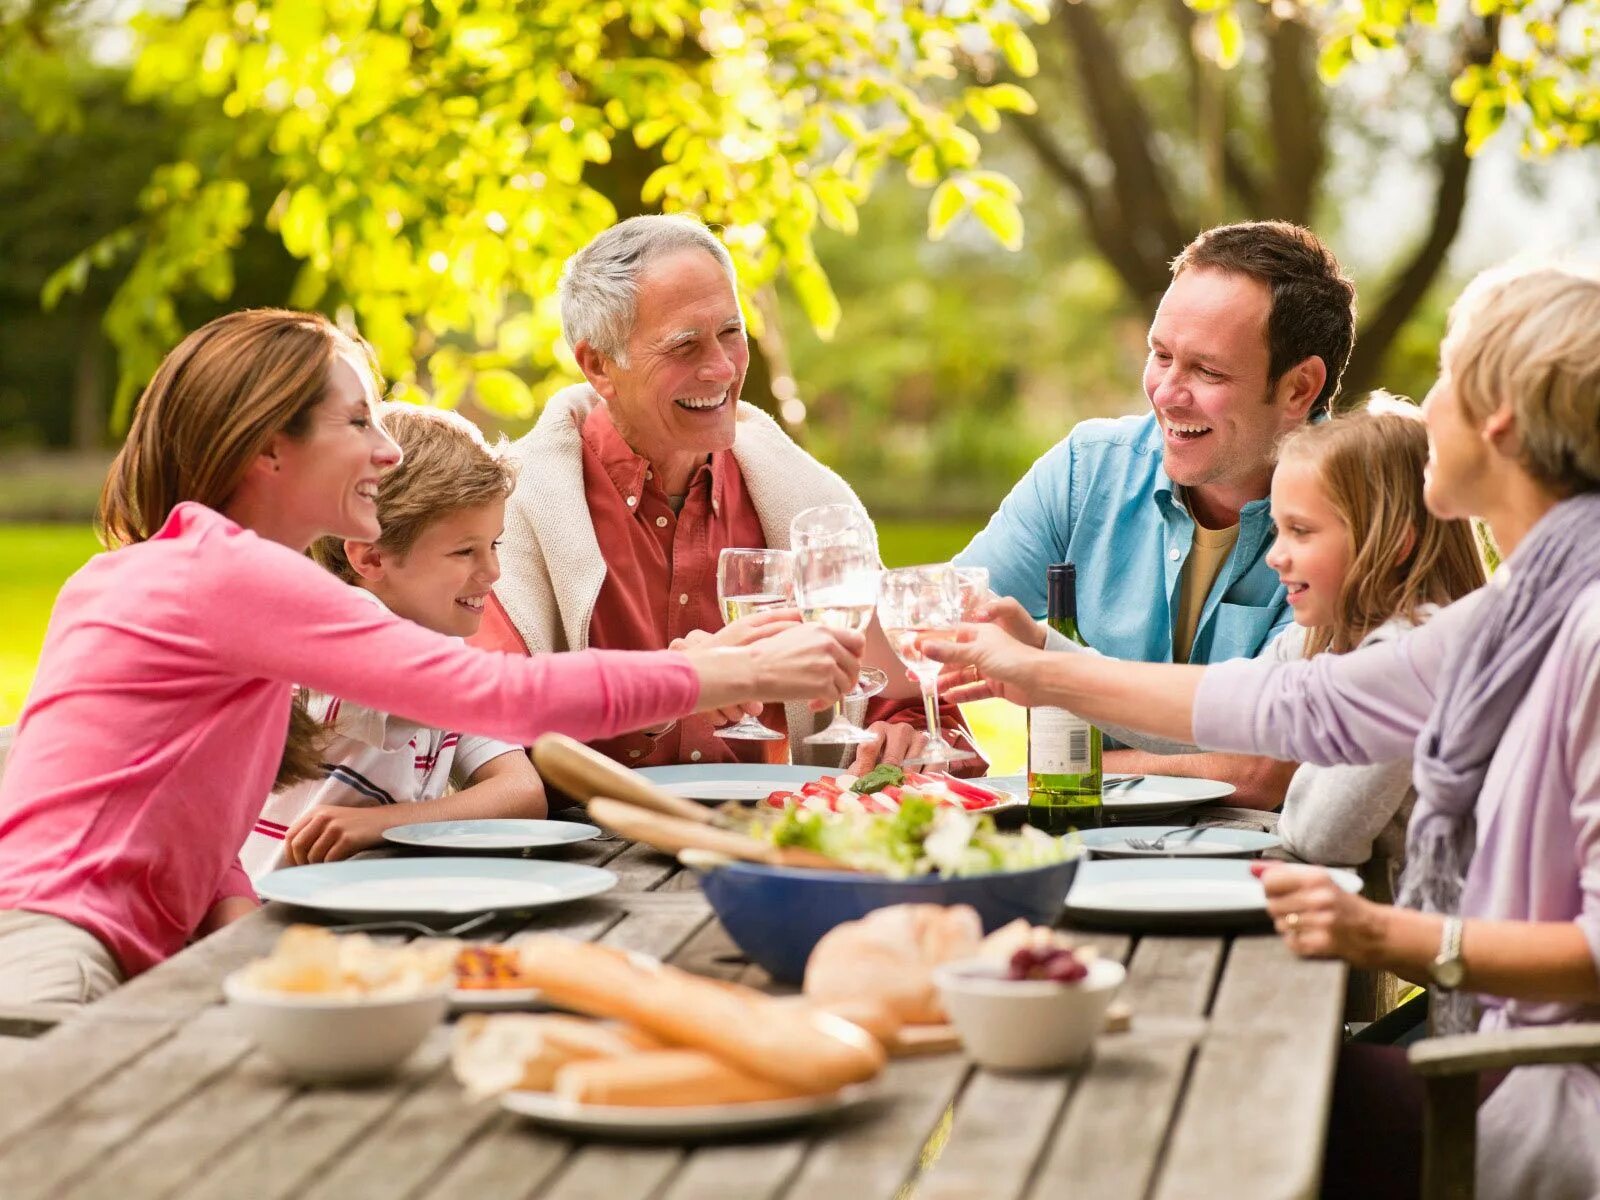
(371, 758)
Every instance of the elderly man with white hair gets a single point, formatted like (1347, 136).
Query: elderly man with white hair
(632, 483)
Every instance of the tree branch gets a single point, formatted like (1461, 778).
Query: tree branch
(1378, 333)
(1237, 174)
(1297, 118)
(1110, 236)
(1123, 129)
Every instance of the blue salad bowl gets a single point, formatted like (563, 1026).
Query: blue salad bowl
(777, 914)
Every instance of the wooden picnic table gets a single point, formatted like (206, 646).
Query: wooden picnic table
(1221, 1088)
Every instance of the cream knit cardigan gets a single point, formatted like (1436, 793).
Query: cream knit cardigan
(550, 560)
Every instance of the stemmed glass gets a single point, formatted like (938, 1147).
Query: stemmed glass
(751, 581)
(917, 605)
(836, 573)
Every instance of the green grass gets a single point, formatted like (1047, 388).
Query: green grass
(39, 558)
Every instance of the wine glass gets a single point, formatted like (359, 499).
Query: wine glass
(836, 573)
(972, 586)
(918, 605)
(751, 581)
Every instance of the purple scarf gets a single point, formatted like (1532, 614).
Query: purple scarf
(1512, 631)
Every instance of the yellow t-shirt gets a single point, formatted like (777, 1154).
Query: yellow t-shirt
(1210, 550)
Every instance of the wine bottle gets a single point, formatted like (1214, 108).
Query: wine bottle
(1063, 749)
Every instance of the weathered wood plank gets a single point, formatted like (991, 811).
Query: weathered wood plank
(510, 1159)
(74, 1138)
(874, 1155)
(175, 1149)
(640, 868)
(1002, 1124)
(1253, 1117)
(285, 1155)
(605, 1172)
(738, 1172)
(1126, 1097)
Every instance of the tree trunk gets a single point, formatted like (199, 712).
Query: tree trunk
(89, 409)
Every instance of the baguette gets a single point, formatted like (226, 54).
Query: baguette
(811, 1051)
(517, 1051)
(665, 1078)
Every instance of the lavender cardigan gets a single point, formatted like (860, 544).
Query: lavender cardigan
(1538, 829)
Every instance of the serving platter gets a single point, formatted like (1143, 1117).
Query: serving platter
(463, 1000)
(365, 887)
(490, 835)
(1178, 893)
(1150, 796)
(1177, 842)
(694, 1123)
(718, 783)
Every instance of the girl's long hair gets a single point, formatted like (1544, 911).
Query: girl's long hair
(213, 407)
(1402, 557)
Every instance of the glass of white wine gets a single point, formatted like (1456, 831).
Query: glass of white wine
(752, 581)
(836, 574)
(917, 605)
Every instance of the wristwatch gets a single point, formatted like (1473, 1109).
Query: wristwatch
(1447, 969)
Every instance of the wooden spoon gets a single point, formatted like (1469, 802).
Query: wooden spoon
(583, 774)
(672, 835)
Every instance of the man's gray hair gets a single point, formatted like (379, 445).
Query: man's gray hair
(599, 286)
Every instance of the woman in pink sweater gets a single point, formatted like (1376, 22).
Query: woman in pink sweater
(158, 715)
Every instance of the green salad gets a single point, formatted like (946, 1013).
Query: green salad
(920, 839)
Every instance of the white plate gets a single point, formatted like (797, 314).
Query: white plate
(718, 783)
(682, 1124)
(496, 999)
(363, 887)
(1112, 842)
(1152, 794)
(1174, 892)
(490, 835)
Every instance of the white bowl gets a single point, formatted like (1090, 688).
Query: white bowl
(326, 1039)
(1026, 1024)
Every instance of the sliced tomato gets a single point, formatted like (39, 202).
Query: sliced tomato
(971, 795)
(782, 799)
(869, 803)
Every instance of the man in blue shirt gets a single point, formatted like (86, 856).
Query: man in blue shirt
(1166, 514)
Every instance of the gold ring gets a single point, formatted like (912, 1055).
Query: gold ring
(1292, 921)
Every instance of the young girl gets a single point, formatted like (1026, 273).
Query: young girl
(441, 511)
(157, 717)
(1363, 561)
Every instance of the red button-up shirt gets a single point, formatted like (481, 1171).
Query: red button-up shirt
(661, 580)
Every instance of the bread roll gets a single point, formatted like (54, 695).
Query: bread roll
(514, 1051)
(809, 1051)
(889, 956)
(673, 1078)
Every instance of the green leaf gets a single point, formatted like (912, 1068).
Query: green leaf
(1001, 217)
(816, 297)
(1230, 38)
(1008, 97)
(304, 226)
(949, 201)
(503, 394)
(1018, 50)
(923, 169)
(73, 276)
(834, 199)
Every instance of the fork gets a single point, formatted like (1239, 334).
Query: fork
(402, 926)
(1184, 834)
(1121, 781)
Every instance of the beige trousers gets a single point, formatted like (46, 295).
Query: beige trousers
(47, 960)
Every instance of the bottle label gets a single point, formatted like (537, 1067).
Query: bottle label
(1058, 743)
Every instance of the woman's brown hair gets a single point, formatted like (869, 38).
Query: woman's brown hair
(1402, 557)
(214, 405)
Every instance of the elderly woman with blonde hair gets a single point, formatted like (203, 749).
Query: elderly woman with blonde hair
(1498, 700)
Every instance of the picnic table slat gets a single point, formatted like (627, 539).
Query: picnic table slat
(285, 1155)
(1254, 1115)
(171, 1152)
(96, 1122)
(1116, 1122)
(599, 1171)
(739, 1172)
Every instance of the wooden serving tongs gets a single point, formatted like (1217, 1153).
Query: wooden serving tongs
(626, 804)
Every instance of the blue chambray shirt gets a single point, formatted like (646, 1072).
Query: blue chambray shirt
(1101, 498)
